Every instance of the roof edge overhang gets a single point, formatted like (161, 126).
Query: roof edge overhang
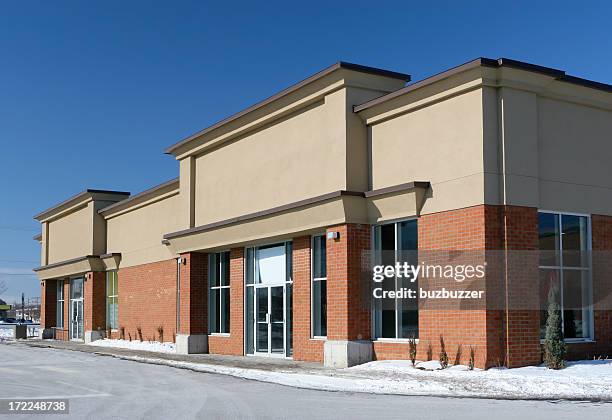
(293, 88)
(485, 62)
(69, 268)
(141, 198)
(368, 199)
(82, 197)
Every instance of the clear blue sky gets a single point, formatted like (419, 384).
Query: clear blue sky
(92, 92)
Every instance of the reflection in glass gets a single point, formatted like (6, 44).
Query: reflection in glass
(548, 228)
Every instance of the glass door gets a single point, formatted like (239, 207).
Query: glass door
(277, 320)
(270, 320)
(262, 319)
(268, 327)
(76, 309)
(76, 320)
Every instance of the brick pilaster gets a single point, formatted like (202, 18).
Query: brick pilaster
(48, 303)
(94, 301)
(348, 298)
(193, 294)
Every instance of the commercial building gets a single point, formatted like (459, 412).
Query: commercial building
(264, 242)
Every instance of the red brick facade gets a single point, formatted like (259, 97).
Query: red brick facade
(234, 342)
(193, 306)
(304, 347)
(94, 302)
(348, 298)
(487, 328)
(506, 331)
(147, 300)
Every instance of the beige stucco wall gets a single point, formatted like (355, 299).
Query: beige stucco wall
(549, 149)
(137, 233)
(71, 236)
(283, 225)
(298, 157)
(441, 142)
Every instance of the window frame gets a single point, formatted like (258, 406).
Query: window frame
(561, 268)
(114, 297)
(374, 315)
(59, 309)
(312, 281)
(219, 266)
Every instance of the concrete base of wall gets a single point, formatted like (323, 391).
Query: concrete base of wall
(189, 344)
(342, 353)
(93, 336)
(46, 333)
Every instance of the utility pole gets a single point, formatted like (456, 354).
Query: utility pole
(22, 306)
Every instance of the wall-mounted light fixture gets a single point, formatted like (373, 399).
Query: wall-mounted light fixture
(333, 235)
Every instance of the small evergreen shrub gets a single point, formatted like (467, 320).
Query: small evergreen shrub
(412, 349)
(472, 358)
(429, 352)
(554, 346)
(443, 354)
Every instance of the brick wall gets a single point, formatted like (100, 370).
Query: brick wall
(480, 233)
(348, 285)
(147, 299)
(193, 293)
(48, 303)
(234, 343)
(304, 347)
(94, 301)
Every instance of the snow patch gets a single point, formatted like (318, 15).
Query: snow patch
(584, 380)
(155, 346)
(7, 333)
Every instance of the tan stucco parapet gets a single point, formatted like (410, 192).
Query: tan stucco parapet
(85, 196)
(141, 198)
(370, 199)
(71, 267)
(556, 74)
(250, 216)
(337, 66)
(398, 188)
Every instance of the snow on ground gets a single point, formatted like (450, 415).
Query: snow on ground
(6, 333)
(136, 345)
(584, 380)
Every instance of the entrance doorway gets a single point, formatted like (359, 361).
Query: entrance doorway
(76, 309)
(268, 301)
(270, 320)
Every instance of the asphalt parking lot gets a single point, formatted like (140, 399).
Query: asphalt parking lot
(106, 387)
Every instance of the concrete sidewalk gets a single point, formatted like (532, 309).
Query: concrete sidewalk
(241, 362)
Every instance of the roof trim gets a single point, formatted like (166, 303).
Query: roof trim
(486, 62)
(128, 201)
(76, 197)
(287, 91)
(274, 210)
(65, 262)
(397, 188)
(110, 255)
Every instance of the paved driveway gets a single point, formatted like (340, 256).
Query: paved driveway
(105, 387)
